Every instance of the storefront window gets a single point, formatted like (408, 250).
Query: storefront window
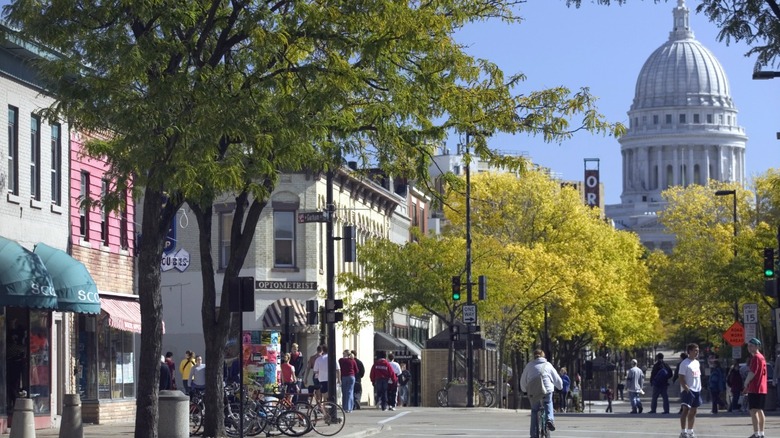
(106, 360)
(40, 367)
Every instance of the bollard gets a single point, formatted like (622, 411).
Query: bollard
(70, 426)
(173, 407)
(23, 425)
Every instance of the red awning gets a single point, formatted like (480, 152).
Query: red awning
(123, 314)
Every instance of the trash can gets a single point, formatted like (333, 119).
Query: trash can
(173, 407)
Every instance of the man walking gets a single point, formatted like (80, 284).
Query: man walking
(635, 379)
(756, 387)
(381, 375)
(690, 390)
(659, 378)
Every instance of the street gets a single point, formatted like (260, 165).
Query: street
(481, 422)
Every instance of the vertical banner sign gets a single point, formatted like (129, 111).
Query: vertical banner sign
(592, 188)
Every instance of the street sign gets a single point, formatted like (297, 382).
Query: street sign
(750, 313)
(469, 313)
(735, 335)
(312, 216)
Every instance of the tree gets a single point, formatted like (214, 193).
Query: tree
(206, 98)
(710, 269)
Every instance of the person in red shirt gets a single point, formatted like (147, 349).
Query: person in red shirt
(289, 379)
(382, 375)
(349, 370)
(756, 387)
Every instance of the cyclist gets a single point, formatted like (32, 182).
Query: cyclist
(539, 380)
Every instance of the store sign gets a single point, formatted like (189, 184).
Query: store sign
(286, 285)
(179, 261)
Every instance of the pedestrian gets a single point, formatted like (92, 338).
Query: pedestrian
(289, 380)
(635, 379)
(659, 378)
(683, 356)
(690, 390)
(172, 367)
(539, 380)
(716, 385)
(165, 375)
(310, 379)
(609, 396)
(755, 387)
(734, 380)
(565, 390)
(403, 384)
(185, 366)
(392, 388)
(349, 370)
(358, 380)
(381, 375)
(296, 361)
(198, 375)
(322, 373)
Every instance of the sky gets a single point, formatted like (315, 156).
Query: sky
(604, 48)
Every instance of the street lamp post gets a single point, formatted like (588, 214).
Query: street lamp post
(732, 193)
(469, 337)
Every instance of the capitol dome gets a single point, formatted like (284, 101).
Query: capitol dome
(682, 72)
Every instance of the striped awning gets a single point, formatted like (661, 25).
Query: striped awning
(274, 314)
(123, 314)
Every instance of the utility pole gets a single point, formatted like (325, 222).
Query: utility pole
(469, 331)
(330, 255)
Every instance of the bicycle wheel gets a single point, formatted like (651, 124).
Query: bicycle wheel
(327, 418)
(441, 397)
(196, 418)
(293, 423)
(487, 397)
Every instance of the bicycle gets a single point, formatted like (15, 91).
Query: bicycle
(487, 392)
(197, 408)
(327, 418)
(542, 429)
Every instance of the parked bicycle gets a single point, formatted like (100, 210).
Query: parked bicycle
(484, 393)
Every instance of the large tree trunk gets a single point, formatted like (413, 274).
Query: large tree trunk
(158, 210)
(216, 326)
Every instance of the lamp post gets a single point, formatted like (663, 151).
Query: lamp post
(469, 337)
(734, 211)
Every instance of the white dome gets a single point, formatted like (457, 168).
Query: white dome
(681, 72)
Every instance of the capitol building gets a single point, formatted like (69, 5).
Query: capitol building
(683, 130)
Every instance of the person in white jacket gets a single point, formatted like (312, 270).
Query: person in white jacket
(539, 380)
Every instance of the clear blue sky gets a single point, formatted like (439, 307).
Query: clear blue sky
(604, 48)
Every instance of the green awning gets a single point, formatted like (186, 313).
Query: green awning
(76, 290)
(24, 281)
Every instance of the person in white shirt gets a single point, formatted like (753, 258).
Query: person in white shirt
(198, 374)
(321, 370)
(690, 390)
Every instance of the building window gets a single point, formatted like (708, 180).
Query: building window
(35, 158)
(682, 118)
(123, 223)
(720, 119)
(13, 150)
(83, 208)
(104, 213)
(668, 119)
(655, 119)
(284, 239)
(709, 118)
(696, 118)
(225, 226)
(106, 362)
(56, 165)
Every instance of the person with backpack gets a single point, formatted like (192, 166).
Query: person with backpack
(659, 378)
(717, 385)
(734, 380)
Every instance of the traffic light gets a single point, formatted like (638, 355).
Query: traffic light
(482, 282)
(456, 288)
(348, 240)
(312, 312)
(331, 314)
(769, 263)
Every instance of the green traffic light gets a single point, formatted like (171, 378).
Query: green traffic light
(456, 296)
(769, 273)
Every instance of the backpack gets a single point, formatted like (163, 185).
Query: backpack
(661, 377)
(404, 377)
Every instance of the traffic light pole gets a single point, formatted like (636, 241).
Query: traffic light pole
(469, 343)
(331, 285)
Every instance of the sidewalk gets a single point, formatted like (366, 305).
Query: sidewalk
(359, 424)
